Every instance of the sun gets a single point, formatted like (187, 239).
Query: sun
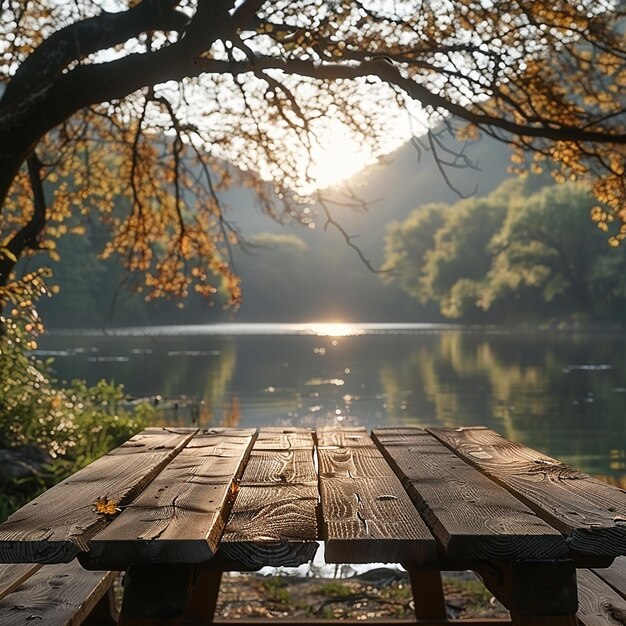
(336, 157)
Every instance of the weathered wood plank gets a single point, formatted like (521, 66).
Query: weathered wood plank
(179, 517)
(283, 438)
(273, 520)
(12, 575)
(367, 515)
(57, 525)
(615, 576)
(471, 516)
(598, 604)
(281, 466)
(272, 526)
(57, 595)
(353, 437)
(588, 512)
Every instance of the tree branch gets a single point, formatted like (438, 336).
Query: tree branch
(88, 36)
(27, 236)
(390, 74)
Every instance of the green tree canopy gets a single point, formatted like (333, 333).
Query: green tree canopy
(517, 247)
(545, 242)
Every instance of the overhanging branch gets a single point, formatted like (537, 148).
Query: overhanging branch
(78, 40)
(389, 73)
(27, 236)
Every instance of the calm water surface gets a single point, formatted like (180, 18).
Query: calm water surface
(564, 394)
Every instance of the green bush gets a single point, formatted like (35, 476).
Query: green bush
(73, 425)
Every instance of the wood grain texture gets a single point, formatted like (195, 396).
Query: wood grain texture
(12, 575)
(274, 526)
(345, 463)
(273, 520)
(57, 525)
(367, 515)
(615, 576)
(279, 438)
(179, 517)
(343, 437)
(598, 604)
(281, 466)
(471, 516)
(588, 512)
(57, 595)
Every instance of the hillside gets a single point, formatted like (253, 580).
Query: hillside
(325, 279)
(294, 273)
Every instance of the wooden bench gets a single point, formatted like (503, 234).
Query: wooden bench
(195, 503)
(64, 595)
(56, 595)
(602, 595)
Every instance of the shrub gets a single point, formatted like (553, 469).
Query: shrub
(66, 427)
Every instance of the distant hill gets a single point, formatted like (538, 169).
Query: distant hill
(326, 278)
(406, 179)
(400, 182)
(296, 273)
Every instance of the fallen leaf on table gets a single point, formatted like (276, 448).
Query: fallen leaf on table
(106, 506)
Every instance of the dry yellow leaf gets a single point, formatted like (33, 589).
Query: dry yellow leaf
(106, 506)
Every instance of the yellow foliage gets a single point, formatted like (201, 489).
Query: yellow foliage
(151, 164)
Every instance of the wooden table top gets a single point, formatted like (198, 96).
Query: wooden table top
(255, 498)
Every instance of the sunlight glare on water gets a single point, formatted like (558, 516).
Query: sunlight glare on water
(335, 329)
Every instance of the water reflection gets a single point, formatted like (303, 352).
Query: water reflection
(337, 330)
(523, 386)
(562, 394)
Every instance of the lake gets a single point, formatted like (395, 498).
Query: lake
(561, 393)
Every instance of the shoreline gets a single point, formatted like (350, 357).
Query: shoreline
(378, 593)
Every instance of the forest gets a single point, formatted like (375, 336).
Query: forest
(518, 250)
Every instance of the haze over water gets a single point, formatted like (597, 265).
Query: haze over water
(561, 393)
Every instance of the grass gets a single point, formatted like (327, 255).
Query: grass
(335, 589)
(276, 590)
(472, 588)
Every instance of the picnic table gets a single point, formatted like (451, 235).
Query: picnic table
(175, 507)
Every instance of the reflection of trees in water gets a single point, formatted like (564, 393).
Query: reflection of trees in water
(231, 415)
(204, 381)
(456, 380)
(521, 387)
(218, 379)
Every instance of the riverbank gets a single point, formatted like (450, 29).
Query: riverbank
(379, 593)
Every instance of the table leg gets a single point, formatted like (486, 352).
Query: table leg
(537, 593)
(203, 599)
(156, 595)
(427, 593)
